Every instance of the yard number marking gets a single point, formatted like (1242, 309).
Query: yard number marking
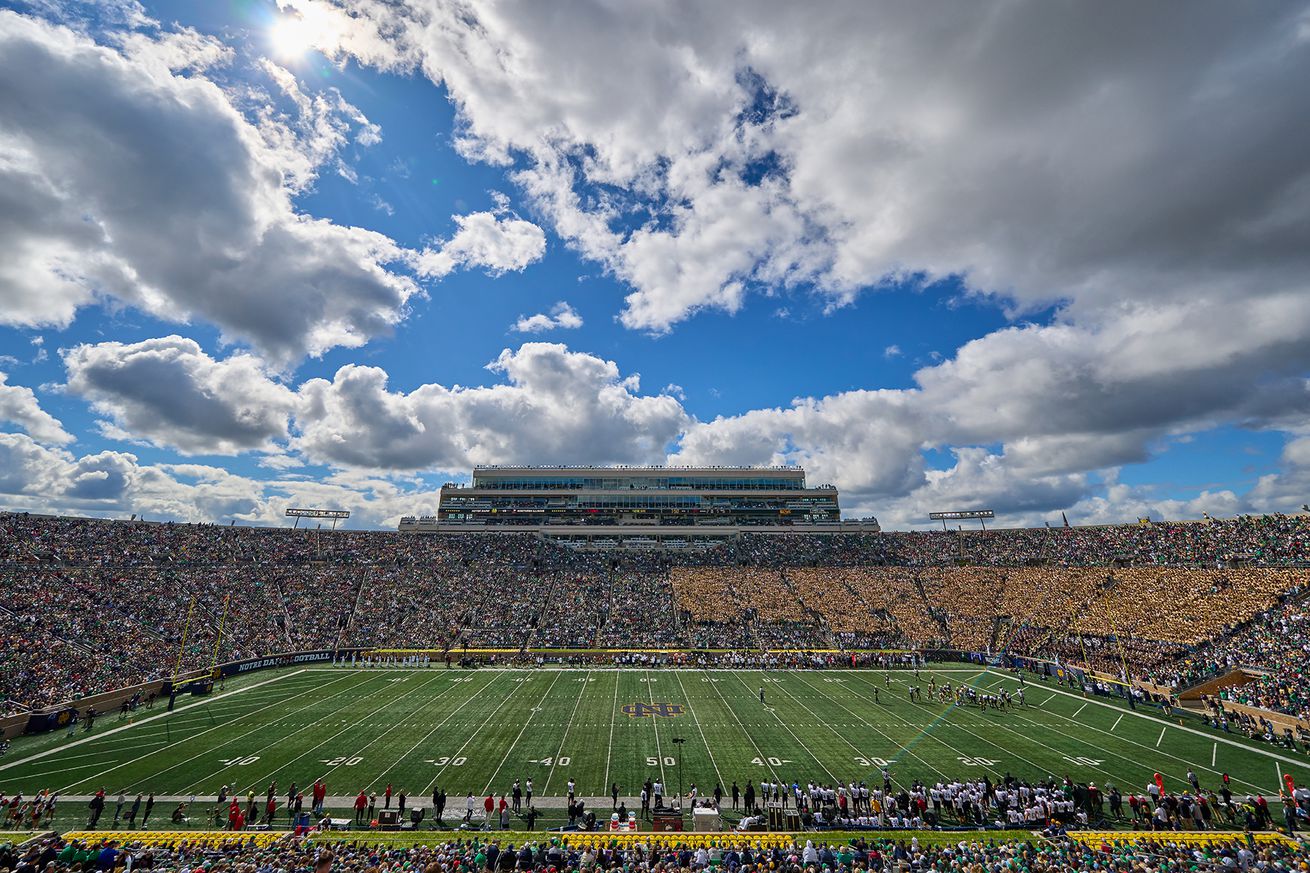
(342, 761)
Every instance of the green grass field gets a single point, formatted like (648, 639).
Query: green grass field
(478, 730)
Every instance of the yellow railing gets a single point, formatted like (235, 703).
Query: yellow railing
(1182, 838)
(212, 839)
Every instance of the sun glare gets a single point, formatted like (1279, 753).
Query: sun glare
(290, 37)
(305, 28)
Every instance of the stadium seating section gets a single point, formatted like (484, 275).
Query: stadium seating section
(92, 605)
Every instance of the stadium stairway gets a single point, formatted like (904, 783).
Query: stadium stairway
(1212, 686)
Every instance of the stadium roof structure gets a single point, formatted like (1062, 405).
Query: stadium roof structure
(637, 506)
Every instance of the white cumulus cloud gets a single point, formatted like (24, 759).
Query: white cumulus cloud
(498, 243)
(562, 316)
(18, 405)
(170, 392)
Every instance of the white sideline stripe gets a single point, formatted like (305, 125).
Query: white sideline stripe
(201, 734)
(1080, 709)
(1109, 750)
(67, 769)
(586, 683)
(145, 720)
(527, 721)
(1254, 749)
(190, 787)
(1105, 749)
(1116, 722)
(101, 754)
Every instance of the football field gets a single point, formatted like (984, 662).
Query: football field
(479, 730)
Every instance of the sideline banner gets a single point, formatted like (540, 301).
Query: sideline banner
(286, 660)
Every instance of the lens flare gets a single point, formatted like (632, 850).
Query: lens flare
(305, 28)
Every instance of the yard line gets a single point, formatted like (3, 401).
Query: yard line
(1157, 742)
(472, 734)
(145, 720)
(555, 761)
(956, 708)
(66, 769)
(1199, 733)
(747, 733)
(428, 735)
(1214, 753)
(614, 714)
(297, 728)
(527, 721)
(897, 746)
(100, 754)
(788, 729)
(1110, 750)
(654, 722)
(1080, 709)
(699, 730)
(1048, 728)
(313, 689)
(398, 723)
(1046, 701)
(1116, 722)
(832, 730)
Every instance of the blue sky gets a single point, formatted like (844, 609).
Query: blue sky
(941, 287)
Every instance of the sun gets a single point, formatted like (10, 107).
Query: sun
(306, 27)
(290, 37)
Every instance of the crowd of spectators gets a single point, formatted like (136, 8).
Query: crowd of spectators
(641, 611)
(1273, 649)
(93, 604)
(655, 854)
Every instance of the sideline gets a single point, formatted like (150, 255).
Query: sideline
(109, 733)
(1300, 763)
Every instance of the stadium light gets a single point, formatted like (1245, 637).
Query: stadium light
(334, 514)
(959, 514)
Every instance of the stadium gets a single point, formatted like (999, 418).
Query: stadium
(773, 677)
(504, 436)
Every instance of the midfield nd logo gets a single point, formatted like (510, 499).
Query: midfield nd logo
(651, 710)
